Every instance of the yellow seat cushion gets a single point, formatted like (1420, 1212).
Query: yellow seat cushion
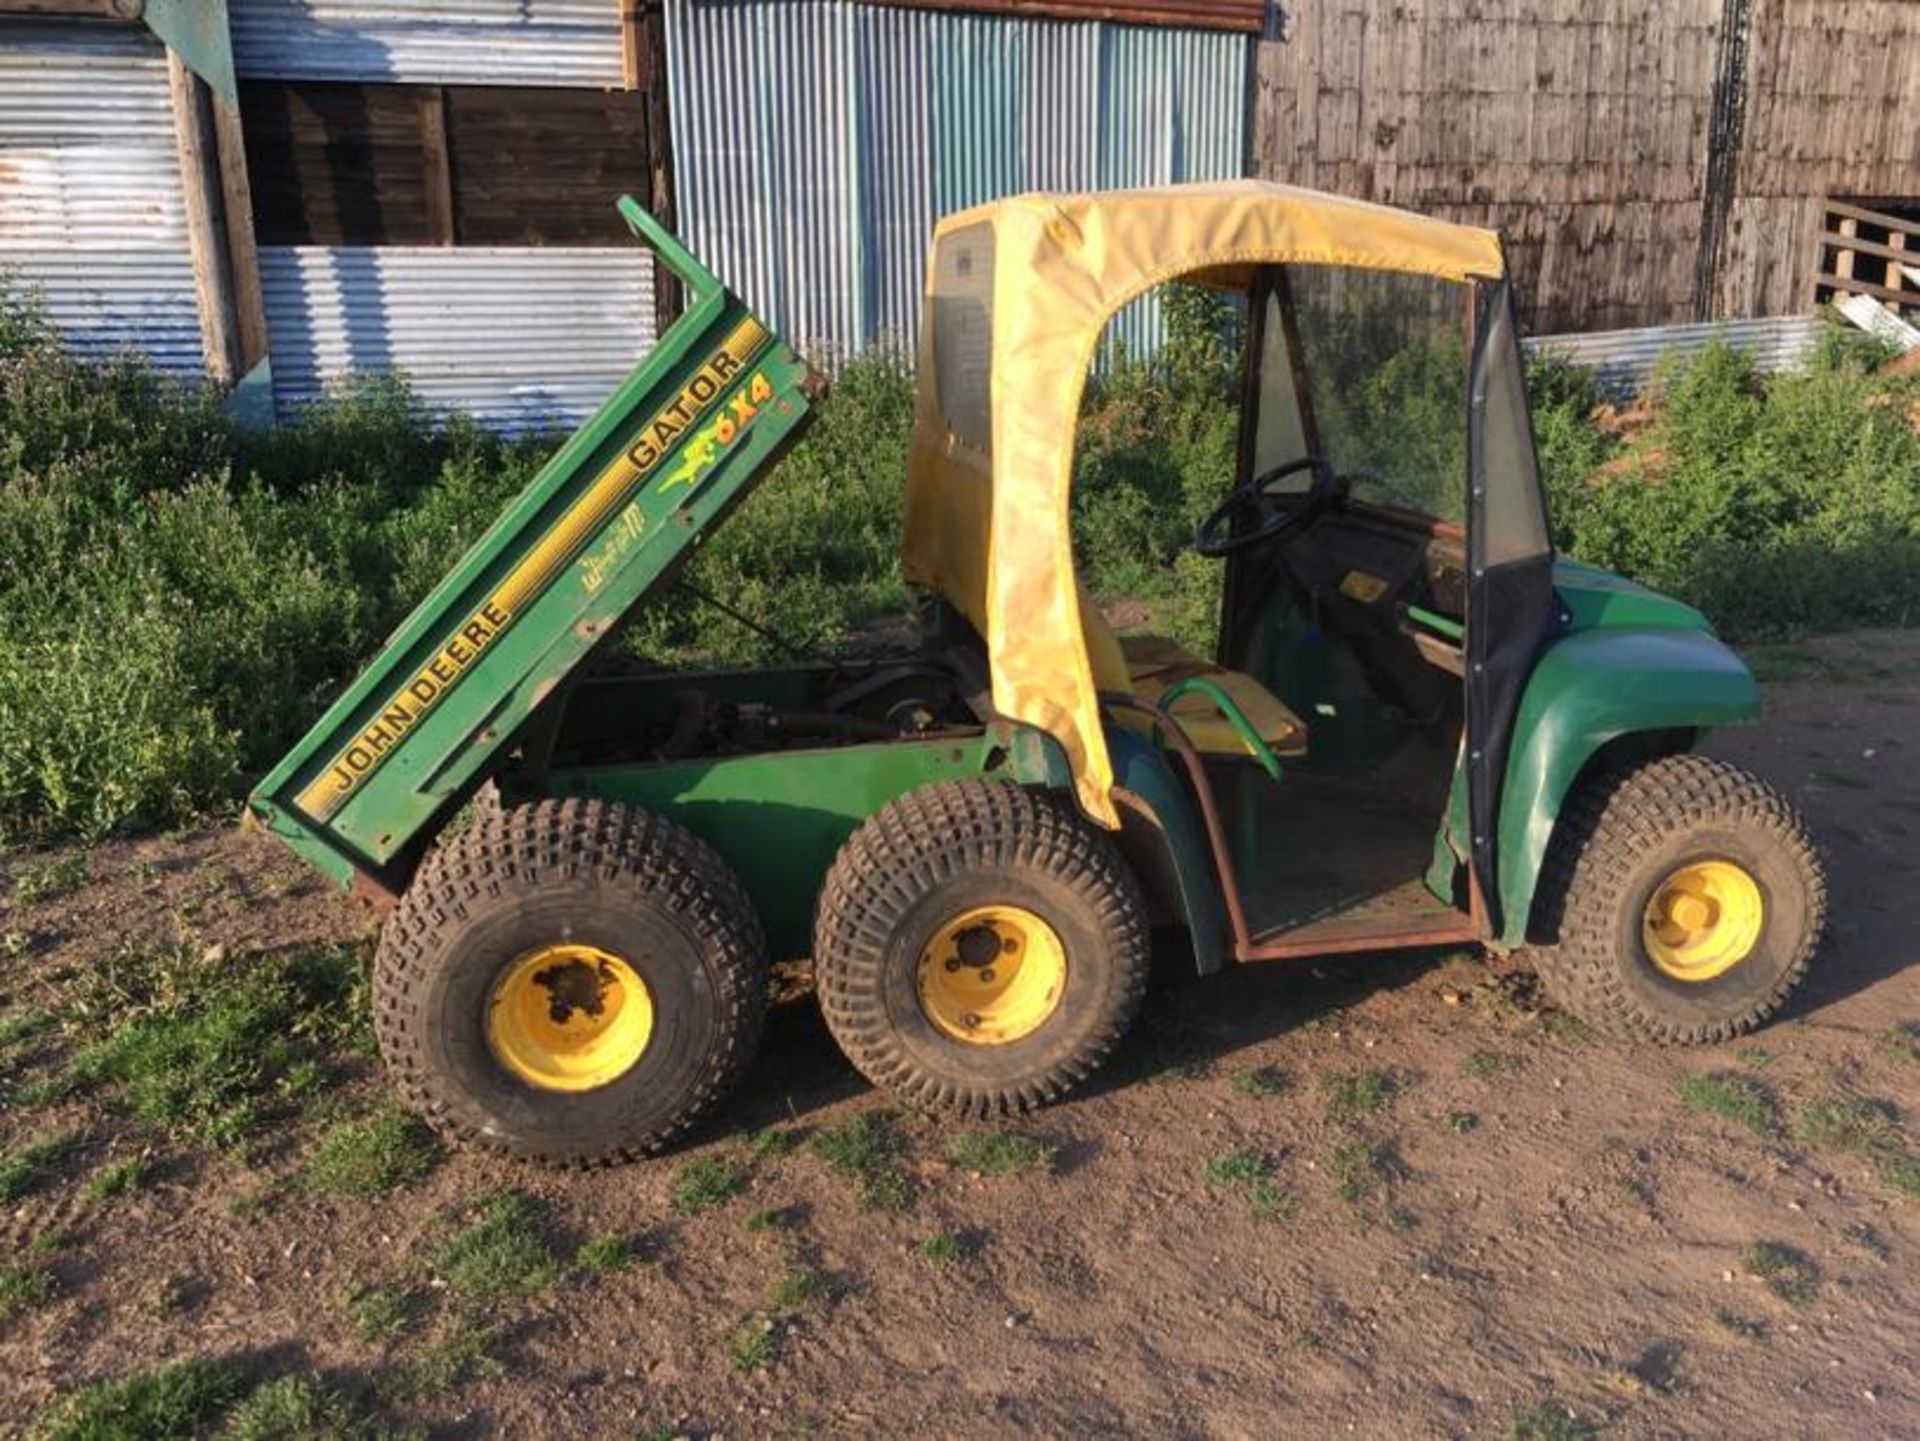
(1156, 664)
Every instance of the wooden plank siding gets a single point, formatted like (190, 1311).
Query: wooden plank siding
(1585, 131)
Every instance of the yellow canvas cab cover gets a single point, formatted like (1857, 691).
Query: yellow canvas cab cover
(1018, 294)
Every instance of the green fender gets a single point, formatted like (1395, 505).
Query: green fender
(1588, 688)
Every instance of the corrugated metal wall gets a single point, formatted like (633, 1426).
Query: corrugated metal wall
(503, 42)
(90, 196)
(1621, 360)
(518, 338)
(816, 141)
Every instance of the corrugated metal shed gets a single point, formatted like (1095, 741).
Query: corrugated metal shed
(90, 196)
(816, 141)
(1248, 16)
(504, 42)
(1623, 359)
(517, 337)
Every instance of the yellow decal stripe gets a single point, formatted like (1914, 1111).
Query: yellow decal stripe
(611, 489)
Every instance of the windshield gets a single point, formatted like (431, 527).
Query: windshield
(1369, 370)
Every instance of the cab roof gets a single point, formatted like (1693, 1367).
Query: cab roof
(1019, 292)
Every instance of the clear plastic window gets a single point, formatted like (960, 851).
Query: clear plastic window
(963, 333)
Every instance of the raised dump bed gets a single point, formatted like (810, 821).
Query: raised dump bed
(682, 439)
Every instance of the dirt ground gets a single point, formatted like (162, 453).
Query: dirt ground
(1531, 1230)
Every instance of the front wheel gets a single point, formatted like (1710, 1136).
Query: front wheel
(1687, 898)
(979, 947)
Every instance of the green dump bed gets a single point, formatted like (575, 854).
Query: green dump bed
(687, 434)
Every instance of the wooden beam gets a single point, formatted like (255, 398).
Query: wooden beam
(1873, 217)
(243, 254)
(660, 199)
(198, 146)
(633, 58)
(433, 160)
(1862, 287)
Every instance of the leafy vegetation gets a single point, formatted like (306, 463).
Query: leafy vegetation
(999, 1153)
(1786, 1272)
(865, 1151)
(704, 1183)
(26, 1167)
(370, 1155)
(176, 1400)
(179, 600)
(1736, 1098)
(500, 1252)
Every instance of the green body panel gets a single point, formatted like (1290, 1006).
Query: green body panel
(1141, 770)
(1638, 666)
(779, 818)
(1595, 597)
(602, 525)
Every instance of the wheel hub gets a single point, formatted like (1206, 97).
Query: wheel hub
(992, 975)
(569, 1018)
(1702, 920)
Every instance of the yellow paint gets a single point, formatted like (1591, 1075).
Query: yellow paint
(989, 529)
(569, 1018)
(557, 549)
(992, 975)
(1358, 585)
(1703, 920)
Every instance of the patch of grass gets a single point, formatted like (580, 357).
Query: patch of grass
(1548, 1421)
(1363, 1172)
(768, 1218)
(22, 1288)
(1736, 1098)
(1901, 1042)
(1239, 1167)
(798, 1283)
(1788, 1273)
(1258, 1081)
(942, 1249)
(177, 1400)
(379, 1313)
(999, 1153)
(702, 1184)
(305, 1408)
(864, 1151)
(18, 1026)
(1863, 1237)
(1348, 1098)
(1565, 1027)
(773, 1142)
(1755, 1056)
(26, 1167)
(752, 1343)
(1268, 1201)
(500, 1253)
(117, 1179)
(1458, 1122)
(1860, 1127)
(1482, 1065)
(1743, 1327)
(459, 1351)
(47, 882)
(603, 1255)
(223, 1047)
(370, 1155)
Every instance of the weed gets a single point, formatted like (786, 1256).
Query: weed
(752, 1343)
(25, 1167)
(702, 1184)
(1743, 1327)
(22, 1025)
(1736, 1098)
(1348, 1098)
(1786, 1272)
(1862, 1236)
(1566, 1028)
(304, 1408)
(1860, 1127)
(774, 1142)
(116, 1179)
(1267, 1201)
(370, 1155)
(603, 1255)
(1755, 1056)
(459, 1351)
(378, 1313)
(1482, 1065)
(50, 881)
(1901, 1042)
(999, 1153)
(796, 1285)
(864, 1150)
(1548, 1421)
(22, 1288)
(1362, 1170)
(943, 1248)
(770, 1218)
(1458, 1122)
(173, 1400)
(501, 1252)
(1238, 1168)
(1258, 1081)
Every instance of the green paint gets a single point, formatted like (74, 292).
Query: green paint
(1228, 707)
(1433, 621)
(1168, 817)
(1588, 688)
(1596, 597)
(250, 402)
(196, 31)
(666, 499)
(780, 818)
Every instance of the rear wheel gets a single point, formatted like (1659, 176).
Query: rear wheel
(979, 947)
(571, 982)
(1689, 902)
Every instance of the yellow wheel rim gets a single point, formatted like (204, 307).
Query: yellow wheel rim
(569, 1018)
(992, 975)
(1703, 920)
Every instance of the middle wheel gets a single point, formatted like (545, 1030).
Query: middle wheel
(979, 947)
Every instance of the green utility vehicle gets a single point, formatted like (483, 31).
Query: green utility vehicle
(1417, 727)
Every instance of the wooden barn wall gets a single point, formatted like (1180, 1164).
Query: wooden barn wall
(1583, 130)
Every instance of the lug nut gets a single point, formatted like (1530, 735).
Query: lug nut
(953, 963)
(986, 975)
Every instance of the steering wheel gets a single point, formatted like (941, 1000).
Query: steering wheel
(1272, 515)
